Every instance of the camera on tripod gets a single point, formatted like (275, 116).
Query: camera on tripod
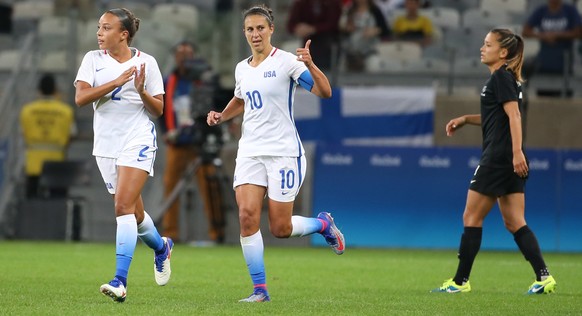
(203, 98)
(197, 69)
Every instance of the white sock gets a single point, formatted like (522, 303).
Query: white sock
(253, 251)
(303, 226)
(147, 232)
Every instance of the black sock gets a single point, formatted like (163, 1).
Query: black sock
(470, 245)
(528, 244)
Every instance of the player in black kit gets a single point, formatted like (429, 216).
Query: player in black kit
(503, 169)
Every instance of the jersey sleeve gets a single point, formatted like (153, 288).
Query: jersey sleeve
(505, 87)
(86, 71)
(237, 79)
(154, 79)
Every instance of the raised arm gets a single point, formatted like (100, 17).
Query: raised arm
(321, 86)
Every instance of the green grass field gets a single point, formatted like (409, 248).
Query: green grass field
(64, 279)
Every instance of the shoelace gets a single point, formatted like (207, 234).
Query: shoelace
(159, 260)
(115, 283)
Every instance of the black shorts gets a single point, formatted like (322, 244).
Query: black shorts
(497, 181)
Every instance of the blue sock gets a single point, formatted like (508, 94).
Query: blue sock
(147, 232)
(253, 250)
(303, 226)
(126, 240)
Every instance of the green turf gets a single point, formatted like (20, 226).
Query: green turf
(64, 279)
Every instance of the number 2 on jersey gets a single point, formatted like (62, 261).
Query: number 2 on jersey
(255, 99)
(114, 93)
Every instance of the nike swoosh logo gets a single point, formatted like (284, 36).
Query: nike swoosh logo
(98, 70)
(340, 243)
(537, 289)
(140, 160)
(473, 181)
(284, 193)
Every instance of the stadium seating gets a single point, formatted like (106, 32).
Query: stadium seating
(503, 5)
(183, 16)
(32, 9)
(377, 64)
(141, 10)
(10, 58)
(58, 62)
(531, 47)
(460, 5)
(478, 17)
(434, 66)
(399, 50)
(291, 45)
(53, 33)
(443, 17)
(469, 66)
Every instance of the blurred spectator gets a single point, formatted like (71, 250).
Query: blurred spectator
(364, 27)
(388, 7)
(47, 125)
(557, 25)
(5, 18)
(413, 26)
(86, 9)
(317, 20)
(189, 94)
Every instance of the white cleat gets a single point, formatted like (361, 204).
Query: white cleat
(115, 290)
(162, 269)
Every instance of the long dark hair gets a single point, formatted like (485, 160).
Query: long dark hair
(514, 45)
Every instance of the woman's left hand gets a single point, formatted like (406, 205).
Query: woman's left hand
(303, 54)
(519, 164)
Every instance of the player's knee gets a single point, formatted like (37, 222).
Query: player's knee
(122, 208)
(281, 231)
(472, 220)
(247, 220)
(513, 226)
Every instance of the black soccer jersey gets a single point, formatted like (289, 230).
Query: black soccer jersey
(499, 89)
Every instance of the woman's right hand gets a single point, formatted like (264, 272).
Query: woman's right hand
(214, 118)
(125, 76)
(454, 125)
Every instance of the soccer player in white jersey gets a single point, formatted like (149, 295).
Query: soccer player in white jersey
(123, 83)
(270, 159)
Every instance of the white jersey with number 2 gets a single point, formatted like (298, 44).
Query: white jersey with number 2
(268, 90)
(120, 115)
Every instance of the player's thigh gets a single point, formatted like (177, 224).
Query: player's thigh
(512, 207)
(280, 217)
(476, 209)
(134, 165)
(129, 186)
(249, 198)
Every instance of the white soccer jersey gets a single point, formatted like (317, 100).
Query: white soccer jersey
(268, 127)
(120, 115)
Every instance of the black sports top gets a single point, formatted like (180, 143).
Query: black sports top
(499, 89)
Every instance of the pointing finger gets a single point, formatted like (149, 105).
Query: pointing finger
(307, 44)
